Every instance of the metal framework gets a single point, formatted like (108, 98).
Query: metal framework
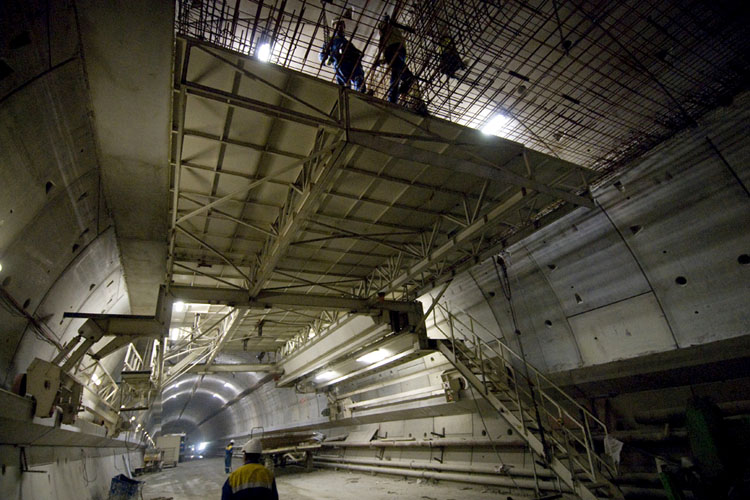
(301, 200)
(288, 186)
(595, 82)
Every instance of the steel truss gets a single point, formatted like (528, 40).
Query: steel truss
(340, 261)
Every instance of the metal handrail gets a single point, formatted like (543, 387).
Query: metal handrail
(539, 374)
(559, 419)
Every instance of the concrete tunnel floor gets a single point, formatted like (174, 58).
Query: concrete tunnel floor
(202, 479)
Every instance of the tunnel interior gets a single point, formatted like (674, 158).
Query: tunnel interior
(519, 271)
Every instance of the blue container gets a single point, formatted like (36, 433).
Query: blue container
(124, 488)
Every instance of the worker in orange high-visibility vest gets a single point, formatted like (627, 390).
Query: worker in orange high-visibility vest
(252, 481)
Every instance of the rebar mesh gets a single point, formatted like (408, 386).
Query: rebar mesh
(594, 82)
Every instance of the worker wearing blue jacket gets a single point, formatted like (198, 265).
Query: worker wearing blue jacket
(345, 57)
(228, 457)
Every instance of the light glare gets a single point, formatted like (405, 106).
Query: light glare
(202, 446)
(264, 52)
(496, 124)
(178, 306)
(373, 357)
(326, 375)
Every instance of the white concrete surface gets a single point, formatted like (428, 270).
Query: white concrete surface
(203, 479)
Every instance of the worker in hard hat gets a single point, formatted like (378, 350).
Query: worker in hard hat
(392, 48)
(228, 456)
(252, 481)
(345, 57)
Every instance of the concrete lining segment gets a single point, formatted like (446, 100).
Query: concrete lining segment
(716, 361)
(128, 58)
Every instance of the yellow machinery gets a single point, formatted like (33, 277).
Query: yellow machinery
(152, 460)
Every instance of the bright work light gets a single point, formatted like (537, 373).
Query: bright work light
(264, 52)
(373, 357)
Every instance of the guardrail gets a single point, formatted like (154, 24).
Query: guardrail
(535, 397)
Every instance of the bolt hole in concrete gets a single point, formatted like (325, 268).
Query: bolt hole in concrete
(681, 280)
(579, 300)
(76, 246)
(551, 267)
(26, 303)
(92, 286)
(635, 229)
(744, 259)
(548, 323)
(48, 187)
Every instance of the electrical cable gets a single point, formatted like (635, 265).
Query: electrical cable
(85, 471)
(505, 285)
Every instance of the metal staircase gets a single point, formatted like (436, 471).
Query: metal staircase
(555, 426)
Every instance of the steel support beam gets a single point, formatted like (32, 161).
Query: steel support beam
(265, 300)
(433, 159)
(232, 323)
(238, 101)
(344, 336)
(241, 144)
(291, 166)
(123, 324)
(463, 236)
(240, 368)
(307, 203)
(254, 77)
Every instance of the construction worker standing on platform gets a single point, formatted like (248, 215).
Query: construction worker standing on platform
(393, 51)
(345, 57)
(252, 481)
(228, 456)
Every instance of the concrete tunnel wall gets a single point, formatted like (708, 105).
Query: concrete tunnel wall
(84, 127)
(682, 199)
(598, 285)
(68, 473)
(58, 246)
(656, 266)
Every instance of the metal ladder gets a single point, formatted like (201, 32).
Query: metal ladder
(555, 426)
